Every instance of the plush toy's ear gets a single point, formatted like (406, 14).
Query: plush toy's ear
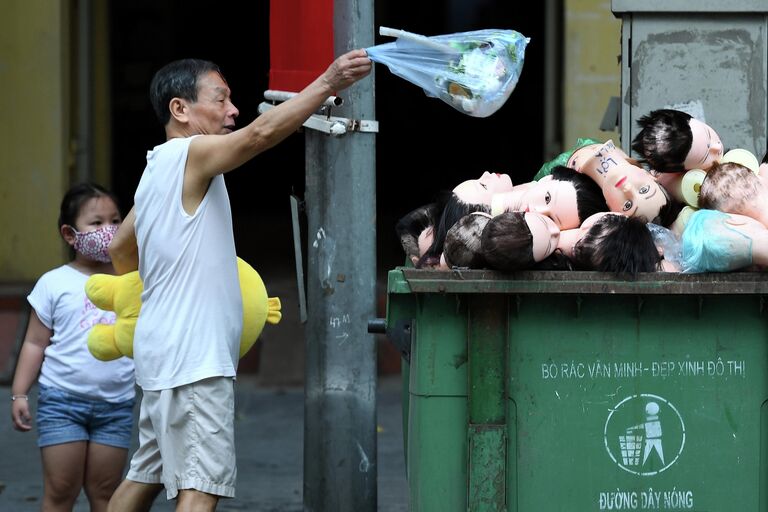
(100, 289)
(258, 308)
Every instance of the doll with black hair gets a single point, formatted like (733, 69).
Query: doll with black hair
(674, 141)
(612, 243)
(415, 229)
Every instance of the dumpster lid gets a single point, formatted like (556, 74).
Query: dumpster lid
(410, 280)
(703, 6)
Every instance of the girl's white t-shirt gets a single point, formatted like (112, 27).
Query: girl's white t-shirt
(60, 302)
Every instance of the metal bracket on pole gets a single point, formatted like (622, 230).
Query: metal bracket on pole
(323, 122)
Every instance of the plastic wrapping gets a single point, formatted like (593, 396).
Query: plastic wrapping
(711, 245)
(670, 244)
(474, 72)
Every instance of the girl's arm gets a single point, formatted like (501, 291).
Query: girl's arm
(38, 337)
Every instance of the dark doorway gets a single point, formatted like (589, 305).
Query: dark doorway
(423, 145)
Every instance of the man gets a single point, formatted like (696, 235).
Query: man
(179, 236)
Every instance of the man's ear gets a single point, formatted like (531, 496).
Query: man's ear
(178, 108)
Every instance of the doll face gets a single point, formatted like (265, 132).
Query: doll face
(425, 240)
(554, 198)
(479, 191)
(706, 148)
(633, 192)
(545, 235)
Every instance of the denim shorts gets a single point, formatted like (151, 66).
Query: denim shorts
(64, 417)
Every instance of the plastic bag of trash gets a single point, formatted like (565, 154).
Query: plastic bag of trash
(474, 72)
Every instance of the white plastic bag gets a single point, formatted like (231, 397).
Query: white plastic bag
(474, 72)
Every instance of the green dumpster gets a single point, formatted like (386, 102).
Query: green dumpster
(580, 391)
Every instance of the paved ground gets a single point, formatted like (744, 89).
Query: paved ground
(270, 453)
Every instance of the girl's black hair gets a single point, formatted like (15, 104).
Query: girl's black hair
(74, 199)
(589, 197)
(664, 140)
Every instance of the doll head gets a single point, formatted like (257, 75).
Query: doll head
(673, 141)
(480, 191)
(416, 228)
(517, 240)
(467, 197)
(616, 243)
(733, 188)
(714, 241)
(462, 242)
(593, 158)
(565, 196)
(634, 192)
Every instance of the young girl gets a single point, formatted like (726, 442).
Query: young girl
(85, 406)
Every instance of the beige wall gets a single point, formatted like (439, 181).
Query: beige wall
(592, 73)
(34, 135)
(38, 101)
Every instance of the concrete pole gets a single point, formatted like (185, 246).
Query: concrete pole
(340, 463)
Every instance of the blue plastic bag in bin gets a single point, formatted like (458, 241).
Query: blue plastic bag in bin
(474, 72)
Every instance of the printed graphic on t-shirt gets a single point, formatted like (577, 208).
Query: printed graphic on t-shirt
(90, 315)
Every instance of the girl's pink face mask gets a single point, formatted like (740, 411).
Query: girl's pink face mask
(94, 244)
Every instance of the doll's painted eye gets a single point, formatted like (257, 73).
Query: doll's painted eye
(644, 189)
(627, 206)
(547, 198)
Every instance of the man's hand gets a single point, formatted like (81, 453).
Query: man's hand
(347, 69)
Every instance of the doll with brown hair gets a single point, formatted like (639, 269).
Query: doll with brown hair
(732, 188)
(518, 240)
(462, 242)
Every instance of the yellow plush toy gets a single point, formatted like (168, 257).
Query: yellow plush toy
(122, 294)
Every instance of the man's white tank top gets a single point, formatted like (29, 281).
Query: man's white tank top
(192, 314)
